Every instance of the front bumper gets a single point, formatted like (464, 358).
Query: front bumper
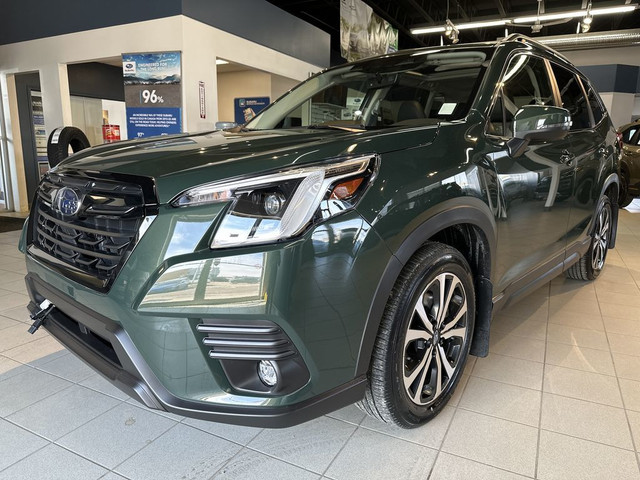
(105, 346)
(318, 290)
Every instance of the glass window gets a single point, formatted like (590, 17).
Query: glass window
(595, 102)
(628, 134)
(419, 88)
(572, 97)
(525, 82)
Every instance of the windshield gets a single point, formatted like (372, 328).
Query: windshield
(418, 88)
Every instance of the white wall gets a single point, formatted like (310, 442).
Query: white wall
(620, 106)
(281, 85)
(605, 56)
(200, 44)
(248, 83)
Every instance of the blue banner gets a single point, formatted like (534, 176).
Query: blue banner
(149, 122)
(248, 107)
(153, 94)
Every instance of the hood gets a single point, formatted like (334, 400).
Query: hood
(184, 161)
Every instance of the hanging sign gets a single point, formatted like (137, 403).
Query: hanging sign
(153, 93)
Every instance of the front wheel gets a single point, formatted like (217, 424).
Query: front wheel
(591, 263)
(424, 338)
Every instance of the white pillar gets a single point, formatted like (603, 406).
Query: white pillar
(56, 100)
(620, 106)
(198, 65)
(15, 176)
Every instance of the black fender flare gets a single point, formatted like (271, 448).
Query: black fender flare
(462, 210)
(613, 178)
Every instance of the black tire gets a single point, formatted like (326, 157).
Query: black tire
(591, 263)
(403, 376)
(61, 139)
(624, 198)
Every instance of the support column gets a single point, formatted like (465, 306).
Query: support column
(56, 100)
(198, 65)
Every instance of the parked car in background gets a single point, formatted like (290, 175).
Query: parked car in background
(630, 163)
(348, 244)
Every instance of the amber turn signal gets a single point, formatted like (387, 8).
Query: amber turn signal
(345, 189)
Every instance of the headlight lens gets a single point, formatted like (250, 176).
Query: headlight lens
(281, 205)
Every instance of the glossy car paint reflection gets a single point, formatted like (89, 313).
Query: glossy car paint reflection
(327, 288)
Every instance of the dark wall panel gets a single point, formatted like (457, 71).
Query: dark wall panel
(30, 19)
(613, 78)
(96, 80)
(266, 24)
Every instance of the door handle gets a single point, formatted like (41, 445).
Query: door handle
(567, 158)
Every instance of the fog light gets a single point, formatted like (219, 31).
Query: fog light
(268, 373)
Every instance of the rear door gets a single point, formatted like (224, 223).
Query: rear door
(589, 150)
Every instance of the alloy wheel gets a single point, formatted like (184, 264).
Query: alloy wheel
(435, 339)
(601, 238)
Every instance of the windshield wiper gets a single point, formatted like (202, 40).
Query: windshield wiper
(346, 128)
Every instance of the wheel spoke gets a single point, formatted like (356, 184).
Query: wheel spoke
(449, 325)
(422, 313)
(455, 332)
(445, 362)
(438, 377)
(413, 335)
(422, 370)
(444, 305)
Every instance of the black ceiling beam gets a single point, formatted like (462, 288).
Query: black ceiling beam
(501, 10)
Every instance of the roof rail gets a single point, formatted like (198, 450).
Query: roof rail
(519, 37)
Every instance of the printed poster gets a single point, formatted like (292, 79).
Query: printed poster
(248, 107)
(153, 93)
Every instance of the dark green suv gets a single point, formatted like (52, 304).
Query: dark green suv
(349, 244)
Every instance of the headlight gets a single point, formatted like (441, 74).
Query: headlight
(281, 205)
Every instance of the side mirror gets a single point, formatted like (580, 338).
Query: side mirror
(538, 123)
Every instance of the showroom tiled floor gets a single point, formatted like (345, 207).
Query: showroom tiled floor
(557, 398)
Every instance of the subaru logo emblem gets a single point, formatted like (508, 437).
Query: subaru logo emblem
(68, 201)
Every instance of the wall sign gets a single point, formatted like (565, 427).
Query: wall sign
(248, 107)
(203, 105)
(153, 94)
(39, 133)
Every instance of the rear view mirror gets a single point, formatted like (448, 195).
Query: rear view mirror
(538, 123)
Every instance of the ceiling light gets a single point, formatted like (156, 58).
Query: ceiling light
(574, 14)
(460, 26)
(219, 61)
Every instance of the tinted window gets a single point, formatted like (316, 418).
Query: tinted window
(596, 104)
(572, 97)
(628, 134)
(525, 82)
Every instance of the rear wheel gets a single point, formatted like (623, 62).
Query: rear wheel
(624, 198)
(424, 338)
(591, 263)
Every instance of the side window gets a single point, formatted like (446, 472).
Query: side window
(596, 104)
(628, 134)
(572, 97)
(525, 82)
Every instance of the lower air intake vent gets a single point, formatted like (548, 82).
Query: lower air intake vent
(258, 340)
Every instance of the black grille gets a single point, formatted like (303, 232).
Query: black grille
(258, 340)
(94, 243)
